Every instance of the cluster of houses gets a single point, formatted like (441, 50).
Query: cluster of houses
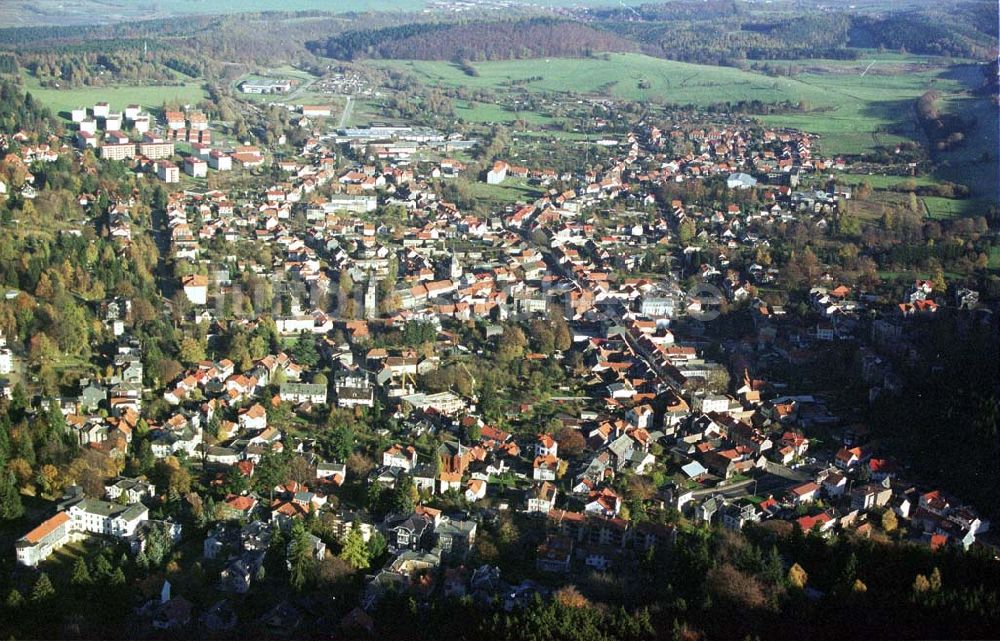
(123, 516)
(652, 402)
(106, 131)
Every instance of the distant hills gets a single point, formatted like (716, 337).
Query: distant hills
(712, 32)
(477, 41)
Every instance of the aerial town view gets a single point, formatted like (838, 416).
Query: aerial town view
(555, 320)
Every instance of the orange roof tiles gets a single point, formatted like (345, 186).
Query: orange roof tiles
(46, 527)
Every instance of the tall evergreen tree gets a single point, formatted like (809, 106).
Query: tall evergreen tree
(355, 550)
(81, 573)
(11, 506)
(43, 590)
(300, 561)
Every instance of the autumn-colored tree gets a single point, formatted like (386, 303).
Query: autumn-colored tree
(570, 597)
(50, 480)
(797, 576)
(511, 345)
(571, 442)
(191, 350)
(934, 581)
(730, 584)
(889, 521)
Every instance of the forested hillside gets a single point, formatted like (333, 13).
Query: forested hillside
(504, 40)
(721, 31)
(968, 33)
(20, 112)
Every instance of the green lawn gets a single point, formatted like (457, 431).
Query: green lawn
(61, 101)
(511, 190)
(471, 111)
(941, 208)
(852, 113)
(878, 181)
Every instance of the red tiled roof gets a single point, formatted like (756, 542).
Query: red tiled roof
(46, 527)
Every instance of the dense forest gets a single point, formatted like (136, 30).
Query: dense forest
(167, 52)
(964, 33)
(723, 30)
(767, 582)
(504, 40)
(20, 112)
(715, 32)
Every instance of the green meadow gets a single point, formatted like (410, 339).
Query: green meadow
(879, 181)
(852, 113)
(61, 101)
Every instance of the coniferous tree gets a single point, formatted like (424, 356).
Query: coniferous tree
(11, 506)
(14, 599)
(81, 573)
(355, 551)
(43, 590)
(300, 561)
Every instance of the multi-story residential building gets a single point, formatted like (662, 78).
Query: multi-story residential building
(110, 519)
(117, 151)
(175, 119)
(50, 535)
(168, 172)
(134, 490)
(542, 498)
(155, 148)
(195, 167)
(220, 161)
(81, 516)
(303, 393)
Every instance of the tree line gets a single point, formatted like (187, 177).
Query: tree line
(499, 40)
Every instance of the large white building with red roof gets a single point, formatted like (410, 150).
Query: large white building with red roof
(50, 535)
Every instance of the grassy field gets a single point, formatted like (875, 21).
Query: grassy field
(853, 113)
(471, 111)
(941, 208)
(878, 181)
(61, 101)
(511, 190)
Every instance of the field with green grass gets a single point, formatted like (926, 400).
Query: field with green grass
(942, 208)
(471, 111)
(61, 101)
(511, 190)
(879, 181)
(852, 113)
